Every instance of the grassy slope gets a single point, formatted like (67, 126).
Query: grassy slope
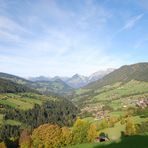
(57, 86)
(127, 81)
(8, 86)
(12, 122)
(116, 94)
(139, 141)
(114, 133)
(124, 74)
(22, 101)
(17, 101)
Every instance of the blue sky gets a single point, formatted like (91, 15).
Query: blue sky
(64, 37)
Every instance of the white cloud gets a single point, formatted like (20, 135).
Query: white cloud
(10, 25)
(132, 22)
(10, 30)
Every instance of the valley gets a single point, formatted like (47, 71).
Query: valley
(108, 105)
(73, 74)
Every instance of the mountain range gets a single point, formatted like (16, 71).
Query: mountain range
(55, 86)
(77, 80)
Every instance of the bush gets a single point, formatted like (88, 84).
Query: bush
(130, 128)
(143, 127)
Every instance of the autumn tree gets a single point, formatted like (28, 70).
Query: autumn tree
(25, 140)
(130, 128)
(47, 135)
(103, 124)
(112, 121)
(66, 137)
(92, 133)
(52, 136)
(2, 145)
(83, 132)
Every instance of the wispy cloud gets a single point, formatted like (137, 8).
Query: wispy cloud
(10, 30)
(132, 22)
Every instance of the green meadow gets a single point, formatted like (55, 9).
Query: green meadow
(139, 141)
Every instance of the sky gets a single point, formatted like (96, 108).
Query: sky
(64, 37)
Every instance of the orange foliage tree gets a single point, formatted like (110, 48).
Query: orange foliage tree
(25, 140)
(47, 135)
(2, 145)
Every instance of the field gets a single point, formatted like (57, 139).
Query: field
(139, 141)
(114, 133)
(116, 94)
(21, 101)
(128, 89)
(12, 122)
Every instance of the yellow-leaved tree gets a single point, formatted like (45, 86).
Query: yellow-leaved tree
(2, 145)
(92, 133)
(130, 128)
(66, 137)
(79, 131)
(25, 140)
(47, 135)
(83, 132)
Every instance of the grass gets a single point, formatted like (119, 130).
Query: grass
(32, 101)
(117, 113)
(139, 141)
(89, 119)
(12, 122)
(23, 101)
(129, 88)
(114, 133)
(137, 119)
(86, 145)
(21, 104)
(81, 91)
(7, 102)
(117, 94)
(1, 118)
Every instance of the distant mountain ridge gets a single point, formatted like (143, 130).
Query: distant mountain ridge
(7, 86)
(100, 74)
(45, 86)
(76, 81)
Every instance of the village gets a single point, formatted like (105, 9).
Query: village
(101, 111)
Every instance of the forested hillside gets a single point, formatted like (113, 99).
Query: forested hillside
(7, 86)
(124, 74)
(56, 86)
(21, 110)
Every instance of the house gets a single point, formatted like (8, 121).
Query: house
(102, 137)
